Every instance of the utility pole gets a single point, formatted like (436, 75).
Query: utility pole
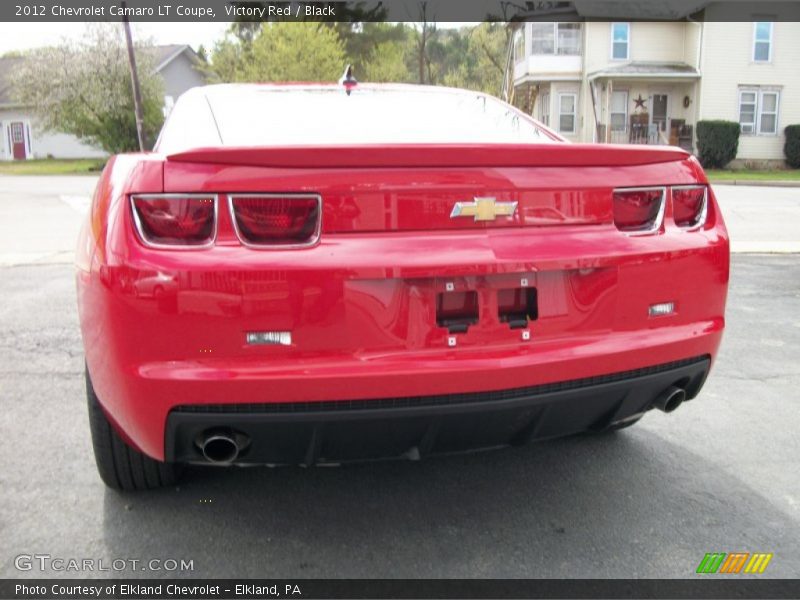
(137, 92)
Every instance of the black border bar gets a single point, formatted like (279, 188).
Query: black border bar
(217, 589)
(397, 10)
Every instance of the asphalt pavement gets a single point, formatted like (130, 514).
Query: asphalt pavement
(720, 474)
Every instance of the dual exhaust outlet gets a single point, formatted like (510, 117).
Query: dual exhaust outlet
(223, 446)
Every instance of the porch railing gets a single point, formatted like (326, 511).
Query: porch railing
(636, 134)
(648, 134)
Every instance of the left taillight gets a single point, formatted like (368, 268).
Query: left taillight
(175, 220)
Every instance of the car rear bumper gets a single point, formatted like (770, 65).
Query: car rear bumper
(362, 312)
(412, 427)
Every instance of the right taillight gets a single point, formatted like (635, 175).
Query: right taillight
(689, 206)
(175, 220)
(277, 220)
(639, 210)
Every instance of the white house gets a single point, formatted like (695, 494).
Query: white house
(651, 82)
(21, 139)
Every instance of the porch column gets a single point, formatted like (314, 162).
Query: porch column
(609, 90)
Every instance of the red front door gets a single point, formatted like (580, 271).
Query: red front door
(18, 140)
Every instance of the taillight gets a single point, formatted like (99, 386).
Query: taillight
(277, 220)
(689, 206)
(639, 210)
(175, 220)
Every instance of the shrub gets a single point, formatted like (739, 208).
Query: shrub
(717, 142)
(792, 147)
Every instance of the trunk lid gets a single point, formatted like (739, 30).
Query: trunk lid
(437, 187)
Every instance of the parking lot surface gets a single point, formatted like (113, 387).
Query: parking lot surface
(718, 475)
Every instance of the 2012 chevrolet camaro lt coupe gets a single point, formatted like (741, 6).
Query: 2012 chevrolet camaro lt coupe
(304, 274)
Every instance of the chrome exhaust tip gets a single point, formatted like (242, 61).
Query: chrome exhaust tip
(670, 399)
(220, 447)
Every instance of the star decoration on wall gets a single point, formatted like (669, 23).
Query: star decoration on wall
(639, 102)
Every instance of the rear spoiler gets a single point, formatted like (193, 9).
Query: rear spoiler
(435, 155)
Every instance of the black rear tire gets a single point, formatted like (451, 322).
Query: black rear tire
(122, 467)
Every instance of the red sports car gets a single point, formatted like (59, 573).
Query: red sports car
(336, 273)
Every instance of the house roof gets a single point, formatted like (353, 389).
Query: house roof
(627, 10)
(162, 56)
(166, 53)
(639, 10)
(635, 69)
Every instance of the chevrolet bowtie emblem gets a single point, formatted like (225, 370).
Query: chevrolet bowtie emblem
(484, 209)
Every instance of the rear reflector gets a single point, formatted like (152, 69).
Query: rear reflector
(175, 220)
(639, 210)
(277, 220)
(689, 206)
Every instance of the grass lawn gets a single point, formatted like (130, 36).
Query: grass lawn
(86, 166)
(745, 175)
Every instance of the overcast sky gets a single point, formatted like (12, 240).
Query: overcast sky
(22, 36)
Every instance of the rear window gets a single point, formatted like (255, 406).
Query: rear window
(298, 116)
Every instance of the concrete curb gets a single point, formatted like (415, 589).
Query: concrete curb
(765, 247)
(752, 183)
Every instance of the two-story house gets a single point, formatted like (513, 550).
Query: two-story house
(650, 82)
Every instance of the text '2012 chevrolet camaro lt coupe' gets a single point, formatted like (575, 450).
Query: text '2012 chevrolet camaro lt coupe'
(304, 274)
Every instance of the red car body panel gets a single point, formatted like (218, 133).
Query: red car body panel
(361, 305)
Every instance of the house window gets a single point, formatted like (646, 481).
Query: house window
(568, 39)
(556, 38)
(747, 111)
(544, 109)
(519, 45)
(768, 113)
(619, 111)
(567, 104)
(758, 111)
(543, 38)
(17, 133)
(620, 40)
(762, 43)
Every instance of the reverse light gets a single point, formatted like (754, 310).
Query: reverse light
(661, 310)
(175, 220)
(689, 206)
(277, 220)
(269, 338)
(639, 211)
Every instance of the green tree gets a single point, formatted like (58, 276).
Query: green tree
(375, 48)
(228, 59)
(283, 51)
(379, 52)
(424, 35)
(388, 63)
(488, 45)
(84, 89)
